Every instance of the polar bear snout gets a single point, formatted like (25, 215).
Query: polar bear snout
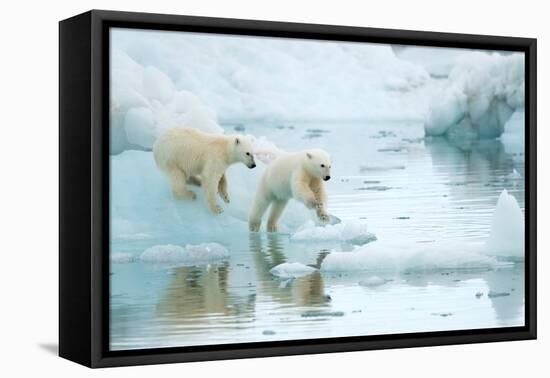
(252, 165)
(326, 178)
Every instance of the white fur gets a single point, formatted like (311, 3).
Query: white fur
(296, 175)
(189, 156)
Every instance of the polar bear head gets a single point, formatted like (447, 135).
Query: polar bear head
(240, 150)
(318, 163)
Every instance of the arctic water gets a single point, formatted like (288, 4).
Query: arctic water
(414, 212)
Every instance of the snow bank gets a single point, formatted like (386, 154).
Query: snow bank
(145, 102)
(351, 231)
(481, 94)
(403, 256)
(291, 270)
(260, 79)
(507, 236)
(188, 255)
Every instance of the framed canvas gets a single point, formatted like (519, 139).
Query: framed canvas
(235, 188)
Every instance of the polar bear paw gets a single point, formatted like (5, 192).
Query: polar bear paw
(323, 216)
(225, 197)
(217, 209)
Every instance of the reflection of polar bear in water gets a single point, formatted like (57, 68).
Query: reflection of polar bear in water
(293, 175)
(189, 156)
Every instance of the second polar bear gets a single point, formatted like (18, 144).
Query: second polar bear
(296, 175)
(189, 156)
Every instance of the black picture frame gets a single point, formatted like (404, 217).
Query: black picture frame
(84, 188)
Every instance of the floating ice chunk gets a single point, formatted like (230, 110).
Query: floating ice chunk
(373, 281)
(496, 294)
(291, 270)
(134, 236)
(507, 228)
(402, 256)
(189, 255)
(351, 231)
(122, 258)
(319, 313)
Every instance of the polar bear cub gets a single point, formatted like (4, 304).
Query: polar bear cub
(189, 156)
(296, 175)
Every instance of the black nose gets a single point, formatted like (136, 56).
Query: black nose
(253, 166)
(327, 178)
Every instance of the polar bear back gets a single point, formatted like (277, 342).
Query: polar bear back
(189, 150)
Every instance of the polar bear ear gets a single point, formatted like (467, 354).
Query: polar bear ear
(309, 155)
(237, 141)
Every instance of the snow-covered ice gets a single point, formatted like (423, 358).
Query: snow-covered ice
(402, 256)
(188, 255)
(291, 270)
(351, 231)
(479, 97)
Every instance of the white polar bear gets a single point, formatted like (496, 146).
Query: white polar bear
(189, 156)
(293, 175)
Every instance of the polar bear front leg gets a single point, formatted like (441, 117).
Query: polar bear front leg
(222, 189)
(321, 196)
(276, 210)
(302, 192)
(210, 182)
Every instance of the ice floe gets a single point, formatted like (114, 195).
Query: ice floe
(404, 256)
(507, 236)
(122, 258)
(291, 270)
(351, 231)
(188, 255)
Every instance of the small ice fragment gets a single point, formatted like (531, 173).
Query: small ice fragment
(495, 294)
(287, 271)
(442, 314)
(373, 281)
(268, 332)
(378, 188)
(479, 294)
(318, 313)
(122, 258)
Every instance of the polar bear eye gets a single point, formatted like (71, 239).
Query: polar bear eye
(248, 154)
(322, 166)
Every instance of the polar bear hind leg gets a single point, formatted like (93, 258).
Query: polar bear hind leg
(261, 203)
(194, 180)
(277, 208)
(222, 189)
(179, 184)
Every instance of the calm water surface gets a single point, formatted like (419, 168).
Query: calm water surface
(406, 187)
